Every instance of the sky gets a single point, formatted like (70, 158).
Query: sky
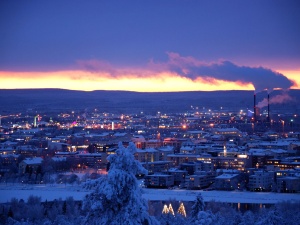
(149, 46)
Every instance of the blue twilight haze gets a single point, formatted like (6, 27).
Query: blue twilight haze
(52, 35)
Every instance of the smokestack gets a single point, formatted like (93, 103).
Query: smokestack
(254, 108)
(268, 108)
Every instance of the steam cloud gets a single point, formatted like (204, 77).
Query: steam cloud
(261, 78)
(277, 99)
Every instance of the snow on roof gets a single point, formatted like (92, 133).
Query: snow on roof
(156, 162)
(59, 159)
(104, 134)
(6, 148)
(153, 140)
(187, 148)
(184, 155)
(118, 134)
(227, 171)
(227, 129)
(33, 161)
(226, 176)
(196, 132)
(9, 143)
(159, 175)
(173, 169)
(166, 148)
(90, 154)
(279, 151)
(257, 151)
(146, 150)
(138, 138)
(288, 178)
(9, 155)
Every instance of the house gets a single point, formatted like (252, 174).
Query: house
(30, 165)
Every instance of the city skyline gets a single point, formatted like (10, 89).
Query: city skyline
(150, 46)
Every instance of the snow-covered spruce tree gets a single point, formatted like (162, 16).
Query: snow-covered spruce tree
(118, 199)
(197, 207)
(272, 217)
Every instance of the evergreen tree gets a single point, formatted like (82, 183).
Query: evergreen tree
(272, 217)
(248, 218)
(64, 208)
(10, 213)
(118, 198)
(205, 218)
(197, 207)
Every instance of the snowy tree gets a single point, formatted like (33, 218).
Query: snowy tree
(34, 208)
(197, 207)
(118, 198)
(248, 218)
(205, 218)
(272, 217)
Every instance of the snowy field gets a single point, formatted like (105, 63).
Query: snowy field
(220, 196)
(51, 192)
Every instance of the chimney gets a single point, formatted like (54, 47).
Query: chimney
(268, 108)
(254, 115)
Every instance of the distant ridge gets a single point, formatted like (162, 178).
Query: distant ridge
(56, 100)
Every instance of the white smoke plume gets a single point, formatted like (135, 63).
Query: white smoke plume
(277, 99)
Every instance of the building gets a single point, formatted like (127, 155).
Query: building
(178, 159)
(159, 180)
(30, 165)
(179, 176)
(199, 180)
(8, 161)
(261, 181)
(288, 184)
(139, 141)
(153, 143)
(157, 166)
(174, 142)
(227, 181)
(146, 155)
(164, 152)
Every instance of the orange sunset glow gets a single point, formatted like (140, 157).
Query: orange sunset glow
(293, 75)
(88, 81)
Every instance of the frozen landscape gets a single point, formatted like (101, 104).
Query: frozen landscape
(51, 192)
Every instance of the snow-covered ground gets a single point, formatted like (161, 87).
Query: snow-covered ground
(220, 196)
(46, 192)
(51, 192)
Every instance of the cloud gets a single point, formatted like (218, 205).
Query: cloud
(177, 72)
(95, 66)
(191, 68)
(277, 99)
(261, 78)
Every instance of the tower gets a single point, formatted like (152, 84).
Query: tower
(34, 121)
(225, 150)
(254, 108)
(269, 119)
